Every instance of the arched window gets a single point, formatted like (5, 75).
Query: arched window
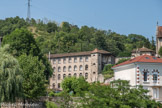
(86, 59)
(69, 75)
(75, 68)
(53, 85)
(64, 76)
(64, 68)
(75, 75)
(155, 77)
(54, 61)
(58, 85)
(59, 61)
(86, 76)
(80, 67)
(70, 60)
(75, 59)
(59, 69)
(59, 76)
(54, 69)
(69, 69)
(145, 76)
(53, 76)
(81, 59)
(86, 67)
(80, 74)
(64, 60)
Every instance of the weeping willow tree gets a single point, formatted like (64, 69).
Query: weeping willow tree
(10, 77)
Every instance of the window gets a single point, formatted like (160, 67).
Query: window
(75, 68)
(86, 76)
(59, 69)
(58, 85)
(80, 67)
(64, 60)
(75, 59)
(69, 75)
(80, 74)
(53, 85)
(59, 61)
(54, 61)
(86, 67)
(64, 76)
(54, 69)
(94, 64)
(59, 76)
(64, 68)
(155, 77)
(81, 59)
(75, 75)
(94, 72)
(86, 59)
(70, 60)
(145, 76)
(53, 77)
(69, 69)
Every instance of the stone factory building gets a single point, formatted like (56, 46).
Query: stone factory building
(87, 64)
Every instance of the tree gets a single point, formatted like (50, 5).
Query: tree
(34, 78)
(10, 77)
(107, 71)
(21, 42)
(122, 60)
(51, 27)
(117, 95)
(76, 85)
(160, 51)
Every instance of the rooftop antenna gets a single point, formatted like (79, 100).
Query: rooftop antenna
(28, 12)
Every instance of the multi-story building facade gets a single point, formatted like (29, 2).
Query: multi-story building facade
(143, 70)
(87, 64)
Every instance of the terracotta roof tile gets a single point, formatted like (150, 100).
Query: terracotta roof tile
(143, 49)
(159, 31)
(143, 58)
(79, 53)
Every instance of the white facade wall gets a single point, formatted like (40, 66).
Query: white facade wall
(129, 72)
(126, 72)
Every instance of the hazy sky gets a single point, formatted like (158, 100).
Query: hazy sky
(121, 16)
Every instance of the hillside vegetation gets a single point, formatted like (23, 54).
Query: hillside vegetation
(65, 37)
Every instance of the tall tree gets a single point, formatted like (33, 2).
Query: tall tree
(34, 78)
(21, 42)
(10, 77)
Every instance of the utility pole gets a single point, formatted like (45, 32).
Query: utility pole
(28, 12)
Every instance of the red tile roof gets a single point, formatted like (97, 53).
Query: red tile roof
(143, 58)
(79, 53)
(159, 31)
(143, 49)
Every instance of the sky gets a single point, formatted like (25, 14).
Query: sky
(121, 16)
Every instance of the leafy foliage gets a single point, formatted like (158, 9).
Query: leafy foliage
(107, 71)
(76, 85)
(122, 60)
(51, 105)
(34, 78)
(10, 77)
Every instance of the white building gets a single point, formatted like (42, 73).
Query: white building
(143, 70)
(88, 64)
